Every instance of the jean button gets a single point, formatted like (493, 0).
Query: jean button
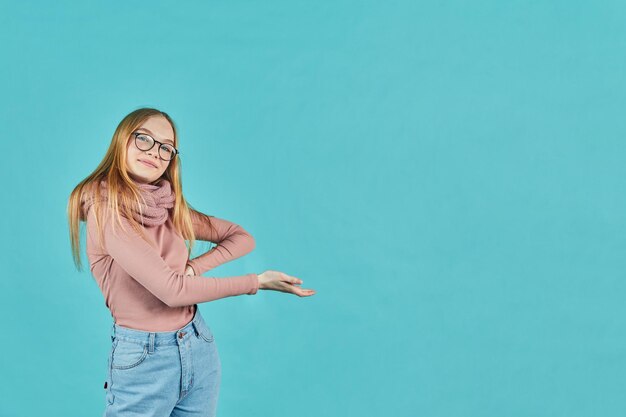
(181, 334)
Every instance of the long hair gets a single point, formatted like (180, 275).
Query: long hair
(123, 195)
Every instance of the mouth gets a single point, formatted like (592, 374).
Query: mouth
(147, 163)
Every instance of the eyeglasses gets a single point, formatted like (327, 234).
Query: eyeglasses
(146, 142)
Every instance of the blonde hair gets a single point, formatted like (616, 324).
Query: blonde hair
(123, 195)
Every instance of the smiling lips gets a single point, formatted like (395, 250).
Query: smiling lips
(150, 164)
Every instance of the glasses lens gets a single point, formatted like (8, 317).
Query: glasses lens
(167, 152)
(144, 142)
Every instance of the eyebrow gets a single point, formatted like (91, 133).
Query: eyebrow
(147, 130)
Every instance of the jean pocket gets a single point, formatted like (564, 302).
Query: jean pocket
(128, 354)
(205, 332)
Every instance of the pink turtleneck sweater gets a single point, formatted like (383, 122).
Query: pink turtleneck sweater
(146, 288)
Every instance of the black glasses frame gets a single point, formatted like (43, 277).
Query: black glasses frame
(154, 142)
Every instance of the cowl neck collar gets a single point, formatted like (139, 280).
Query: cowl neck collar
(158, 198)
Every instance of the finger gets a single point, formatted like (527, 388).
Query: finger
(303, 292)
(290, 279)
(293, 280)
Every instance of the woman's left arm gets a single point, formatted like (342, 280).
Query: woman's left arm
(232, 240)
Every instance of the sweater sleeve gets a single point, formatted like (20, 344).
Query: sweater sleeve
(233, 242)
(143, 263)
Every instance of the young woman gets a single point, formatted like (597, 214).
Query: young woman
(163, 359)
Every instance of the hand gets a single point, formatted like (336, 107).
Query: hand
(189, 271)
(279, 281)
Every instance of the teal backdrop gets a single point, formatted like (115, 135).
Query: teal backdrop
(447, 175)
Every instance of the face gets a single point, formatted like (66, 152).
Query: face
(153, 166)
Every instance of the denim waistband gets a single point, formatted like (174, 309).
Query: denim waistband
(197, 324)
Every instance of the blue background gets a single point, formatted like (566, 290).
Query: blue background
(448, 176)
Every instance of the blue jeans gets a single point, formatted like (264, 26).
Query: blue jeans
(162, 374)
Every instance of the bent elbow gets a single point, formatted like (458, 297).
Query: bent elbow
(251, 243)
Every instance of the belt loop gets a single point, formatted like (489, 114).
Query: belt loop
(151, 342)
(113, 332)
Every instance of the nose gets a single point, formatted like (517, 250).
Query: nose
(154, 153)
